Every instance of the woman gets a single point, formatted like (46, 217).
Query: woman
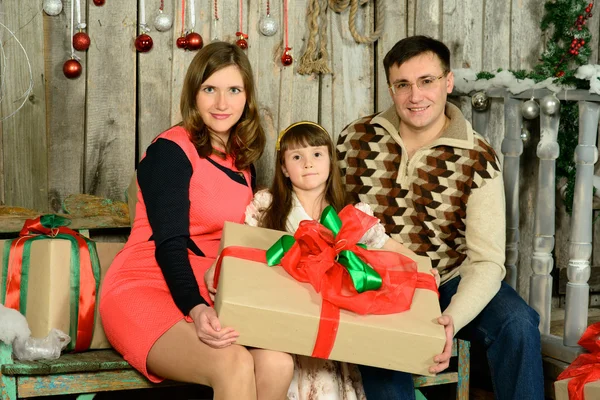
(193, 178)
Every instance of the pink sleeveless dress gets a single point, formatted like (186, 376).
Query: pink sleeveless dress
(136, 305)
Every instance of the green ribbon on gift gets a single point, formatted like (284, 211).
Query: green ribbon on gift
(363, 276)
(51, 222)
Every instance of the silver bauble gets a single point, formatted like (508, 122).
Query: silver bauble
(525, 136)
(163, 22)
(268, 25)
(550, 105)
(52, 7)
(480, 101)
(530, 109)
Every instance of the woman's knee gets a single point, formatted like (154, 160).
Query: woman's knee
(234, 364)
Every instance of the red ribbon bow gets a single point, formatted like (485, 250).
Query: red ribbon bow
(586, 367)
(33, 228)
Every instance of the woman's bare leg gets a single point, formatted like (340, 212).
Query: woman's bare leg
(179, 355)
(273, 371)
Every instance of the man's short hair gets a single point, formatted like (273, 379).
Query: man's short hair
(413, 46)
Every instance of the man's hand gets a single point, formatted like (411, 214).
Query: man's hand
(208, 327)
(443, 360)
(209, 278)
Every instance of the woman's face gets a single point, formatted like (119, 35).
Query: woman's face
(221, 100)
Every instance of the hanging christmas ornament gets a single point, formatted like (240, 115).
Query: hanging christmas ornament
(215, 35)
(530, 109)
(550, 104)
(286, 58)
(143, 43)
(81, 41)
(52, 7)
(480, 101)
(193, 41)
(72, 68)
(525, 136)
(268, 25)
(181, 42)
(241, 42)
(99, 3)
(163, 21)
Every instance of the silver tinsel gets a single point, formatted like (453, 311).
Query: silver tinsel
(52, 7)
(480, 101)
(530, 109)
(268, 25)
(163, 22)
(550, 104)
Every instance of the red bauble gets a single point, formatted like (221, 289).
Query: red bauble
(99, 2)
(194, 41)
(143, 43)
(81, 41)
(181, 42)
(286, 59)
(72, 69)
(242, 44)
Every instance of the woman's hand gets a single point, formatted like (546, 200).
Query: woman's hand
(209, 278)
(208, 327)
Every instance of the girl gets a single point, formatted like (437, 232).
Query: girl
(306, 181)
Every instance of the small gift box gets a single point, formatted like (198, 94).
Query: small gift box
(52, 275)
(291, 309)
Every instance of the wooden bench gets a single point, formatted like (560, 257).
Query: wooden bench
(84, 374)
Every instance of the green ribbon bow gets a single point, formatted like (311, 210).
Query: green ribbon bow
(363, 276)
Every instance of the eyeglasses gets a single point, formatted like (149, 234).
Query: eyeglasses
(423, 83)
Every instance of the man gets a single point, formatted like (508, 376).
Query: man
(437, 186)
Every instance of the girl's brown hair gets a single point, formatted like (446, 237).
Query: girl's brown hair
(299, 135)
(247, 138)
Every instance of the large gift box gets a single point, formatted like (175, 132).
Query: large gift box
(54, 287)
(272, 310)
(591, 391)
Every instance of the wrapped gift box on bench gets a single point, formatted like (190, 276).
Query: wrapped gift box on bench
(591, 391)
(272, 310)
(48, 291)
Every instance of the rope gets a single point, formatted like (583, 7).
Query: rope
(315, 57)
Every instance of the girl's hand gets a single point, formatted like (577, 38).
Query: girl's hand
(209, 278)
(208, 327)
(436, 275)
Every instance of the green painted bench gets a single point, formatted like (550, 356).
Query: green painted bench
(84, 374)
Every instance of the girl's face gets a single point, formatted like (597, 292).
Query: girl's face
(221, 100)
(308, 168)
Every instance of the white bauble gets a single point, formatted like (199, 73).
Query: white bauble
(163, 22)
(530, 109)
(550, 104)
(268, 25)
(52, 7)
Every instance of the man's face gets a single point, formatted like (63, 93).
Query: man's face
(421, 109)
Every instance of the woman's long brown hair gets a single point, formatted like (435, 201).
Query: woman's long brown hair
(299, 136)
(247, 138)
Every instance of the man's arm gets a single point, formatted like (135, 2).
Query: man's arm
(483, 270)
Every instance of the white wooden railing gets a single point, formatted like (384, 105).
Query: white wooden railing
(580, 246)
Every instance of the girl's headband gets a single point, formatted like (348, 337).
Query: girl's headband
(283, 132)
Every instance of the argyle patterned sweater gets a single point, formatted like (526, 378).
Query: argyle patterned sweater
(446, 202)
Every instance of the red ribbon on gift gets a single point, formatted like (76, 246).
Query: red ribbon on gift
(586, 367)
(313, 259)
(34, 229)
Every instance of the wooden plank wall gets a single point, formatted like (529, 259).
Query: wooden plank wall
(86, 135)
